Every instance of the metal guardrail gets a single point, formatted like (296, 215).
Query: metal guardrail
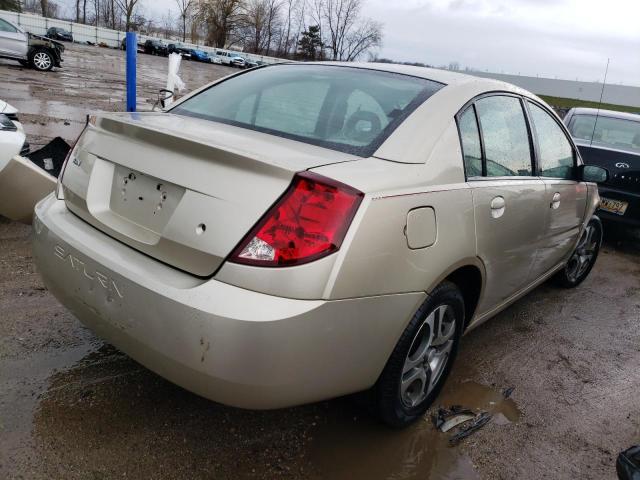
(112, 38)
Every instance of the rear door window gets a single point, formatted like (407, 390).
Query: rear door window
(7, 27)
(348, 109)
(470, 138)
(505, 136)
(555, 153)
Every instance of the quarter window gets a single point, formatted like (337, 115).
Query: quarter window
(506, 140)
(7, 27)
(554, 150)
(470, 137)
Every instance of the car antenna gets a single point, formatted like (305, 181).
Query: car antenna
(604, 82)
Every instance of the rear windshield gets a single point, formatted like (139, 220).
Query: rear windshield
(616, 133)
(347, 109)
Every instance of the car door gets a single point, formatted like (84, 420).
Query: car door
(566, 197)
(12, 41)
(508, 199)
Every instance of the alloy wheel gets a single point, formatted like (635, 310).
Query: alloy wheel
(42, 60)
(584, 254)
(428, 355)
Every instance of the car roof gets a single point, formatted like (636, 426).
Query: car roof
(606, 113)
(455, 81)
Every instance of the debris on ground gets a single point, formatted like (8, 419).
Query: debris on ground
(506, 393)
(51, 157)
(444, 416)
(628, 464)
(458, 416)
(478, 422)
(456, 420)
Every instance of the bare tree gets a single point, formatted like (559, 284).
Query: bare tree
(185, 7)
(364, 37)
(44, 5)
(260, 22)
(167, 24)
(346, 34)
(77, 11)
(96, 11)
(221, 18)
(285, 35)
(108, 11)
(128, 8)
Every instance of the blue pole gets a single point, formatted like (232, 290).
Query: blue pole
(132, 48)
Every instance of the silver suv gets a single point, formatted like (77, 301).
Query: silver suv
(31, 50)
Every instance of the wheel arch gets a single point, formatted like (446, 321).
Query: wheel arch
(469, 276)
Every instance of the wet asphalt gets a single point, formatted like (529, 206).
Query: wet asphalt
(72, 406)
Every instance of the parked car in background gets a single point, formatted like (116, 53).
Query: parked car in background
(612, 140)
(156, 47)
(200, 56)
(58, 33)
(373, 214)
(22, 182)
(184, 51)
(238, 62)
(231, 59)
(123, 45)
(11, 113)
(36, 51)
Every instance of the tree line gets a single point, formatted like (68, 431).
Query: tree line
(310, 29)
(299, 29)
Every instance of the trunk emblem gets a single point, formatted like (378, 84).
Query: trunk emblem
(622, 165)
(91, 275)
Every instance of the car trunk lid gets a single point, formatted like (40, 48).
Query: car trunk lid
(180, 189)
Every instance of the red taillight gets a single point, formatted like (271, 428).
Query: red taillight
(308, 222)
(91, 119)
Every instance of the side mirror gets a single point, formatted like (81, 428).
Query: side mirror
(593, 173)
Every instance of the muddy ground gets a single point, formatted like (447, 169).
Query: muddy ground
(73, 407)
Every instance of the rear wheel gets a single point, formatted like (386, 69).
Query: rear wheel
(584, 256)
(41, 59)
(421, 360)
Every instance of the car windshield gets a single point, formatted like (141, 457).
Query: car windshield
(616, 133)
(348, 109)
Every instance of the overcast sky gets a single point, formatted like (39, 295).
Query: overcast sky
(553, 38)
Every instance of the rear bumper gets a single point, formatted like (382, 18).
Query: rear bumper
(631, 216)
(231, 345)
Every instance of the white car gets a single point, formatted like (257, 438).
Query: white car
(19, 178)
(229, 58)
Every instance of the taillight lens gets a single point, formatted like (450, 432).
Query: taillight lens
(91, 119)
(308, 222)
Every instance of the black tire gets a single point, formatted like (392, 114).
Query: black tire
(385, 399)
(573, 274)
(41, 59)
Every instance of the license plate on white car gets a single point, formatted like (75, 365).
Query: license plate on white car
(613, 206)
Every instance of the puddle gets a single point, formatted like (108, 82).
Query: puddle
(22, 383)
(357, 446)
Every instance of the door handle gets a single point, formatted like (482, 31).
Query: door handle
(555, 202)
(497, 207)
